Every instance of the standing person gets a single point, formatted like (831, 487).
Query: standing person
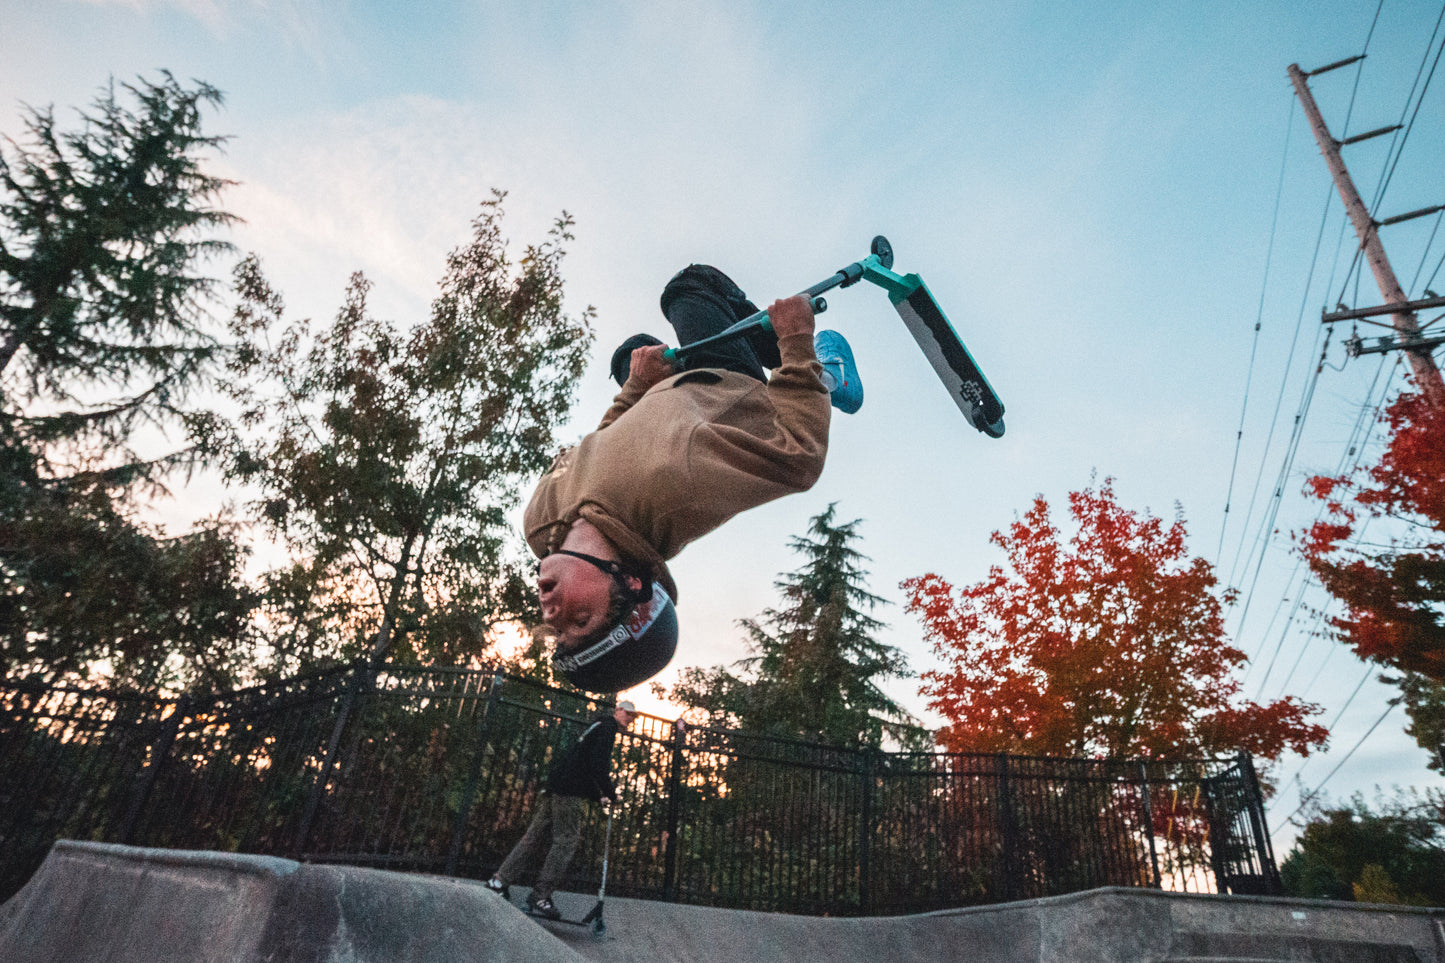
(676, 455)
(583, 773)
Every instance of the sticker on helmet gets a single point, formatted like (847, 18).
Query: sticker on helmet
(642, 617)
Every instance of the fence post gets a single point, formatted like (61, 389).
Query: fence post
(459, 825)
(674, 810)
(362, 673)
(865, 833)
(1149, 822)
(1265, 851)
(1218, 834)
(160, 751)
(1007, 830)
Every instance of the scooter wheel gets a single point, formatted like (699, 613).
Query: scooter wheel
(978, 415)
(883, 251)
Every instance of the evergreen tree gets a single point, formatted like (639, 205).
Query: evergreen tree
(816, 670)
(102, 333)
(101, 235)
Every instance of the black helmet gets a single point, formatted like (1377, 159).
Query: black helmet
(636, 649)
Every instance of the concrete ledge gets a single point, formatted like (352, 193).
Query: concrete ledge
(1107, 925)
(93, 902)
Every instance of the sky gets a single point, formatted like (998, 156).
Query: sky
(1119, 206)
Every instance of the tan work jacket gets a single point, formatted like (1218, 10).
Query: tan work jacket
(671, 464)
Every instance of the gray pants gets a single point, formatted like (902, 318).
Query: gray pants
(563, 816)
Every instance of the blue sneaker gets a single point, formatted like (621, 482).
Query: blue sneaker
(840, 374)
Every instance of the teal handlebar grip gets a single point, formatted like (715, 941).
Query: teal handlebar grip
(751, 323)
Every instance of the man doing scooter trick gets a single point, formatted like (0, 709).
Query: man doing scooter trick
(676, 455)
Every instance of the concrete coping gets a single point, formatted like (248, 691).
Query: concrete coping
(267, 866)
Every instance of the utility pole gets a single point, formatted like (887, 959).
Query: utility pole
(1397, 305)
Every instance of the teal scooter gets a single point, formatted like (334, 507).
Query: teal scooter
(920, 312)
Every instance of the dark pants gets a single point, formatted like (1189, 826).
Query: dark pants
(699, 302)
(561, 818)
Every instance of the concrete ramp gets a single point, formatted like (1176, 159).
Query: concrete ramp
(92, 902)
(95, 902)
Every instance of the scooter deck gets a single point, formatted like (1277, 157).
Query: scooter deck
(950, 359)
(593, 919)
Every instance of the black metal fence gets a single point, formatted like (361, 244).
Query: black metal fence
(437, 770)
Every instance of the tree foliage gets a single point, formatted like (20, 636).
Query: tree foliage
(89, 588)
(386, 458)
(1393, 854)
(1111, 643)
(103, 231)
(1424, 701)
(817, 668)
(102, 304)
(1393, 593)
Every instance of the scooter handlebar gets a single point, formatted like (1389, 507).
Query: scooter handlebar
(753, 321)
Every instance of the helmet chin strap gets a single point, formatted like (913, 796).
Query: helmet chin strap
(619, 572)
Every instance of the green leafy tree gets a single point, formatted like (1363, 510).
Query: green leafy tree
(1392, 854)
(817, 668)
(1424, 701)
(386, 458)
(93, 590)
(103, 340)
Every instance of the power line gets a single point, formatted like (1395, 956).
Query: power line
(1397, 142)
(1425, 256)
(1393, 158)
(1284, 633)
(1438, 265)
(1289, 360)
(1350, 111)
(1355, 447)
(1278, 404)
(1360, 432)
(1286, 465)
(1316, 791)
(1314, 633)
(1258, 323)
(1370, 671)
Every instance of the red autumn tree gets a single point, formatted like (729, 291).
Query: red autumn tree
(1393, 593)
(1109, 644)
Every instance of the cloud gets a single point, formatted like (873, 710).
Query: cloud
(298, 20)
(387, 189)
(676, 152)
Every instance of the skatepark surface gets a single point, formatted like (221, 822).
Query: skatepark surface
(117, 904)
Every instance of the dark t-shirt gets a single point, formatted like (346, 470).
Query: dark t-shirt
(584, 770)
